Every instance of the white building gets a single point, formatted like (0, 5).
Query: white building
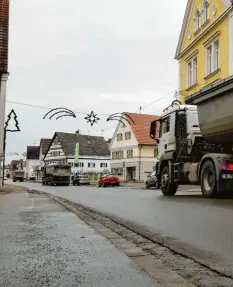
(32, 161)
(133, 152)
(94, 154)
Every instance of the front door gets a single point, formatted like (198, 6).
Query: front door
(167, 135)
(181, 135)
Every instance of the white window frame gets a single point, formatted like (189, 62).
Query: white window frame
(213, 59)
(130, 153)
(192, 74)
(206, 11)
(127, 135)
(103, 164)
(119, 137)
(91, 165)
(198, 21)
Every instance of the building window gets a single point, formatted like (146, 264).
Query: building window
(79, 164)
(156, 152)
(130, 153)
(192, 72)
(91, 164)
(103, 164)
(213, 58)
(119, 154)
(198, 20)
(128, 135)
(55, 153)
(119, 137)
(114, 155)
(117, 171)
(206, 11)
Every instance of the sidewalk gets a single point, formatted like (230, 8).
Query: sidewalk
(43, 244)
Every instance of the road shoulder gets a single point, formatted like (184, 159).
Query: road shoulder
(44, 244)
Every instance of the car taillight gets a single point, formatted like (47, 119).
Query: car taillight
(227, 166)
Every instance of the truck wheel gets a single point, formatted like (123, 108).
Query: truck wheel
(208, 180)
(168, 189)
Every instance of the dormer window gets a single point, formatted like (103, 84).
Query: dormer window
(198, 20)
(206, 11)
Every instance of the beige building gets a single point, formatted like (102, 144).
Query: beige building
(133, 152)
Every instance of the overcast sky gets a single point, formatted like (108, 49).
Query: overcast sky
(106, 55)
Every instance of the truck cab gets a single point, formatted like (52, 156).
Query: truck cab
(176, 131)
(186, 157)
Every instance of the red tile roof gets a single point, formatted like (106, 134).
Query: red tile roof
(141, 127)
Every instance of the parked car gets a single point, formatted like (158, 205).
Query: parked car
(152, 181)
(81, 179)
(108, 179)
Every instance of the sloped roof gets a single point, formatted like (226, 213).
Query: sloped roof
(45, 143)
(33, 152)
(141, 127)
(188, 11)
(88, 145)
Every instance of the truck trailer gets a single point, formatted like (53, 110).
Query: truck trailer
(195, 142)
(56, 174)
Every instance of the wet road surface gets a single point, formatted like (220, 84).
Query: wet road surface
(188, 222)
(43, 244)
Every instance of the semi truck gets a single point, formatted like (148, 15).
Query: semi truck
(56, 174)
(195, 142)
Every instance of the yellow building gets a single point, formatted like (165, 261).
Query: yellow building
(205, 47)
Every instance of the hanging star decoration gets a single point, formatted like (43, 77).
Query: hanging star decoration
(92, 118)
(17, 129)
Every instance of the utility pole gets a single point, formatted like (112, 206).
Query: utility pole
(4, 32)
(140, 110)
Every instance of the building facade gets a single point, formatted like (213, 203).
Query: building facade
(133, 153)
(205, 47)
(94, 154)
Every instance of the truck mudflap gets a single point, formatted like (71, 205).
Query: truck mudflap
(225, 180)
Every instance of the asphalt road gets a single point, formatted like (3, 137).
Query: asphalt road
(188, 223)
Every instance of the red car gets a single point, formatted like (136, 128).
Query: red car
(109, 179)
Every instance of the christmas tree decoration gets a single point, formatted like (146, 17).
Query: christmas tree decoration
(12, 116)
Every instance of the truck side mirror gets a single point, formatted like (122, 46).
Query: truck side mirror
(153, 129)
